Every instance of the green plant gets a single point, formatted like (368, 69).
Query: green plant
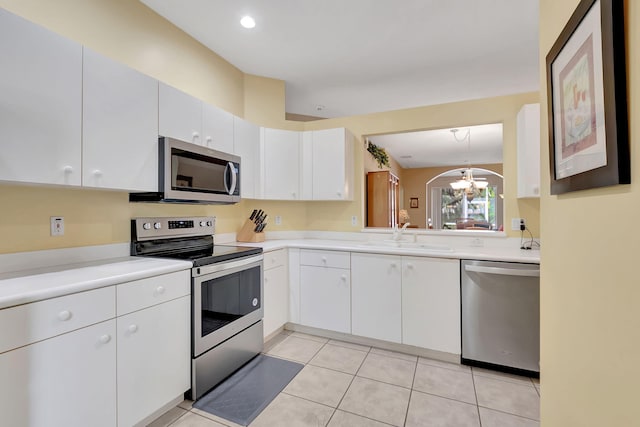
(379, 154)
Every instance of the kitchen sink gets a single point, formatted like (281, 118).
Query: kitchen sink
(411, 245)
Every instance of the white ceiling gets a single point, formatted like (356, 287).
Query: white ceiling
(440, 148)
(363, 56)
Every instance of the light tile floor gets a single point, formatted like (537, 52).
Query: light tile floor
(344, 384)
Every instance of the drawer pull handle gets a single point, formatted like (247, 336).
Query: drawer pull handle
(133, 329)
(160, 289)
(64, 315)
(105, 338)
(343, 277)
(324, 259)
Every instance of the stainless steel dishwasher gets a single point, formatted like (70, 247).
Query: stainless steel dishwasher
(501, 315)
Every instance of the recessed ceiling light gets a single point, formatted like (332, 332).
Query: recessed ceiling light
(248, 22)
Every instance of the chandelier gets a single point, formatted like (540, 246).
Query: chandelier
(467, 182)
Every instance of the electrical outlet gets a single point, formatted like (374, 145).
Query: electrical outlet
(278, 220)
(57, 226)
(523, 226)
(515, 224)
(354, 220)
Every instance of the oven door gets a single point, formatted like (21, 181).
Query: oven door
(227, 298)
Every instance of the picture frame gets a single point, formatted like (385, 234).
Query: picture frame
(413, 202)
(587, 100)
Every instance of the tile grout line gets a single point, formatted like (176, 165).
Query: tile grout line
(413, 381)
(509, 413)
(475, 392)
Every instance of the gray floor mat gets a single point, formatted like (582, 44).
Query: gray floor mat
(242, 396)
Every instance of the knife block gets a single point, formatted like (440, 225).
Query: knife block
(246, 233)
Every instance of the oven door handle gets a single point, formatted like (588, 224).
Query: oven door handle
(225, 265)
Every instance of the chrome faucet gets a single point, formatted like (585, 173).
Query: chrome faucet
(397, 232)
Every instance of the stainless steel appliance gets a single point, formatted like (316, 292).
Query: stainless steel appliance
(190, 173)
(501, 315)
(226, 295)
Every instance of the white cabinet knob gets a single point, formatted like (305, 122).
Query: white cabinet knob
(273, 260)
(208, 141)
(64, 315)
(105, 338)
(97, 173)
(343, 277)
(393, 265)
(67, 169)
(324, 259)
(133, 329)
(339, 194)
(293, 195)
(195, 135)
(160, 289)
(410, 266)
(266, 280)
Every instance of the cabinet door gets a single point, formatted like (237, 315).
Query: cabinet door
(376, 293)
(431, 303)
(40, 105)
(281, 160)
(325, 298)
(529, 151)
(330, 147)
(179, 115)
(217, 128)
(246, 144)
(119, 126)
(69, 380)
(276, 299)
(153, 359)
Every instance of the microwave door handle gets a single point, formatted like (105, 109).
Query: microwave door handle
(234, 178)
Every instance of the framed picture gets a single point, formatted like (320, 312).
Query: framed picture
(413, 202)
(587, 100)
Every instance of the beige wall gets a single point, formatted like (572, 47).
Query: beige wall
(130, 33)
(590, 293)
(415, 181)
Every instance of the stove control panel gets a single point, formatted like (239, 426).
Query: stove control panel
(159, 228)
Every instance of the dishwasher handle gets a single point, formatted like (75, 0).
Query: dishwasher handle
(503, 271)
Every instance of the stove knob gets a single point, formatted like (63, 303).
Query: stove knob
(157, 226)
(209, 223)
(146, 226)
(203, 223)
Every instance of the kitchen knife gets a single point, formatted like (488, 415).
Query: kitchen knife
(258, 216)
(261, 227)
(253, 214)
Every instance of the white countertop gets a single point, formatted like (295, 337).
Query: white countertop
(25, 286)
(502, 253)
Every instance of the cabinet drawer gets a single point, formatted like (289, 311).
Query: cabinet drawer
(325, 258)
(26, 324)
(275, 259)
(143, 293)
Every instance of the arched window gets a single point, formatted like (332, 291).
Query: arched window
(468, 208)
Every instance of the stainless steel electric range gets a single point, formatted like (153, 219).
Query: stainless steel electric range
(226, 293)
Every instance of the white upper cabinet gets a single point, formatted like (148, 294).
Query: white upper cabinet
(180, 115)
(280, 157)
(327, 172)
(40, 104)
(119, 126)
(217, 128)
(246, 143)
(529, 151)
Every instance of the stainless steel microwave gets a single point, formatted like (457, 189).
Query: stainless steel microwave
(190, 173)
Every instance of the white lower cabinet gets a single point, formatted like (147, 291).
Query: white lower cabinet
(68, 380)
(153, 358)
(276, 291)
(431, 303)
(325, 290)
(376, 296)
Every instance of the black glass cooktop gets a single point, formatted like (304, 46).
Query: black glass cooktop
(200, 250)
